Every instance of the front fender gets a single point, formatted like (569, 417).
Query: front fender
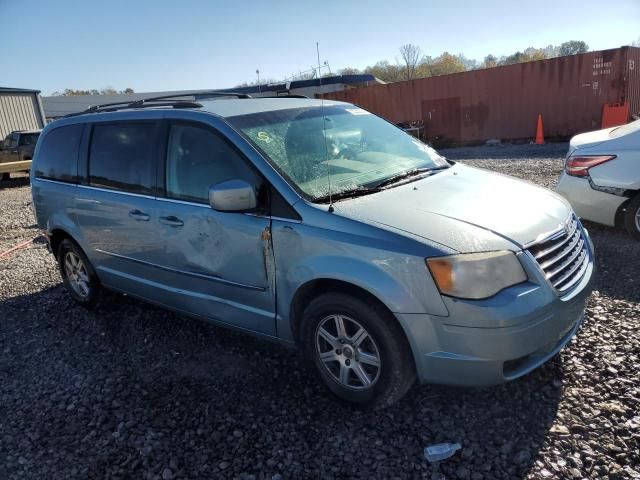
(399, 280)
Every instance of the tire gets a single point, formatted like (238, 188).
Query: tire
(78, 275)
(344, 369)
(632, 217)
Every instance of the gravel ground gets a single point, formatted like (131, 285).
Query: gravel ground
(134, 391)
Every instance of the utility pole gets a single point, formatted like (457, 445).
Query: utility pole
(319, 73)
(259, 86)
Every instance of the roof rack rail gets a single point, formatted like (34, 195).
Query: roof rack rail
(289, 95)
(161, 101)
(198, 95)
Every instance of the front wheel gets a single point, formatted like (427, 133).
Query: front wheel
(358, 348)
(632, 217)
(78, 275)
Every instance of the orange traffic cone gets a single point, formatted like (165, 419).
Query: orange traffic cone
(539, 133)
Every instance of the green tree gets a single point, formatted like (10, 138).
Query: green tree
(532, 54)
(385, 71)
(573, 47)
(469, 63)
(444, 64)
(490, 61)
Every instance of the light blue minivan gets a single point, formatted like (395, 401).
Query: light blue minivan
(319, 224)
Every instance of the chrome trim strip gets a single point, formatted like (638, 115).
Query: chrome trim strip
(565, 251)
(555, 247)
(120, 192)
(545, 237)
(566, 254)
(281, 219)
(204, 205)
(577, 277)
(582, 255)
(184, 202)
(57, 182)
(184, 272)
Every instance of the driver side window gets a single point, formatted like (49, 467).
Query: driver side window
(198, 158)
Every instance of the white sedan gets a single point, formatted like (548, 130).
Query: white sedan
(601, 177)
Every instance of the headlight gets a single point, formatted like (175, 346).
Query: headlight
(476, 275)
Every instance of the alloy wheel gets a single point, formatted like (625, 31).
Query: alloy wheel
(77, 274)
(348, 352)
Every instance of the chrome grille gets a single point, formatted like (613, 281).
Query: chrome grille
(563, 257)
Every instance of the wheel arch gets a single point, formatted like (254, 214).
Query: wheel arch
(314, 288)
(620, 212)
(57, 235)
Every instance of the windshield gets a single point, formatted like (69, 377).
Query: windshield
(357, 148)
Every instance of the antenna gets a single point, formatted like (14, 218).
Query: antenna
(324, 129)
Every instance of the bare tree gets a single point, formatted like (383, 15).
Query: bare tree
(410, 56)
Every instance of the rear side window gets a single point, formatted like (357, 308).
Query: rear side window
(58, 154)
(120, 157)
(198, 158)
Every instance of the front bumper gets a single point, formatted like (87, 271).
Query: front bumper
(588, 203)
(499, 339)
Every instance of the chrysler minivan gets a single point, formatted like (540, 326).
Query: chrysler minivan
(318, 224)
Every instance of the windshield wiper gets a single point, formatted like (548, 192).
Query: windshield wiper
(414, 172)
(352, 193)
(378, 187)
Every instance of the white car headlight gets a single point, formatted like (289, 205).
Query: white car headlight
(476, 275)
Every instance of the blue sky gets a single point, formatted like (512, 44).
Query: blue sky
(171, 45)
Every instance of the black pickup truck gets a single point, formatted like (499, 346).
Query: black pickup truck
(17, 146)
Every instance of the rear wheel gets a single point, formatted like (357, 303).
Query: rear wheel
(358, 349)
(632, 217)
(78, 275)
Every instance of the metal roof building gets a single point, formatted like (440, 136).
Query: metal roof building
(20, 109)
(59, 106)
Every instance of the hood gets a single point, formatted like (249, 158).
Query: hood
(464, 208)
(590, 139)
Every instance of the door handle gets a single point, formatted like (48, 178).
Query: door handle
(172, 221)
(139, 216)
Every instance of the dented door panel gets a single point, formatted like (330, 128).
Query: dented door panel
(218, 265)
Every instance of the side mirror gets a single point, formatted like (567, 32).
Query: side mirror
(232, 196)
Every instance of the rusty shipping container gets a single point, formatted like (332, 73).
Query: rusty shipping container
(504, 102)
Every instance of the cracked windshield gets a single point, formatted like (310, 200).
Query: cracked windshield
(356, 148)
